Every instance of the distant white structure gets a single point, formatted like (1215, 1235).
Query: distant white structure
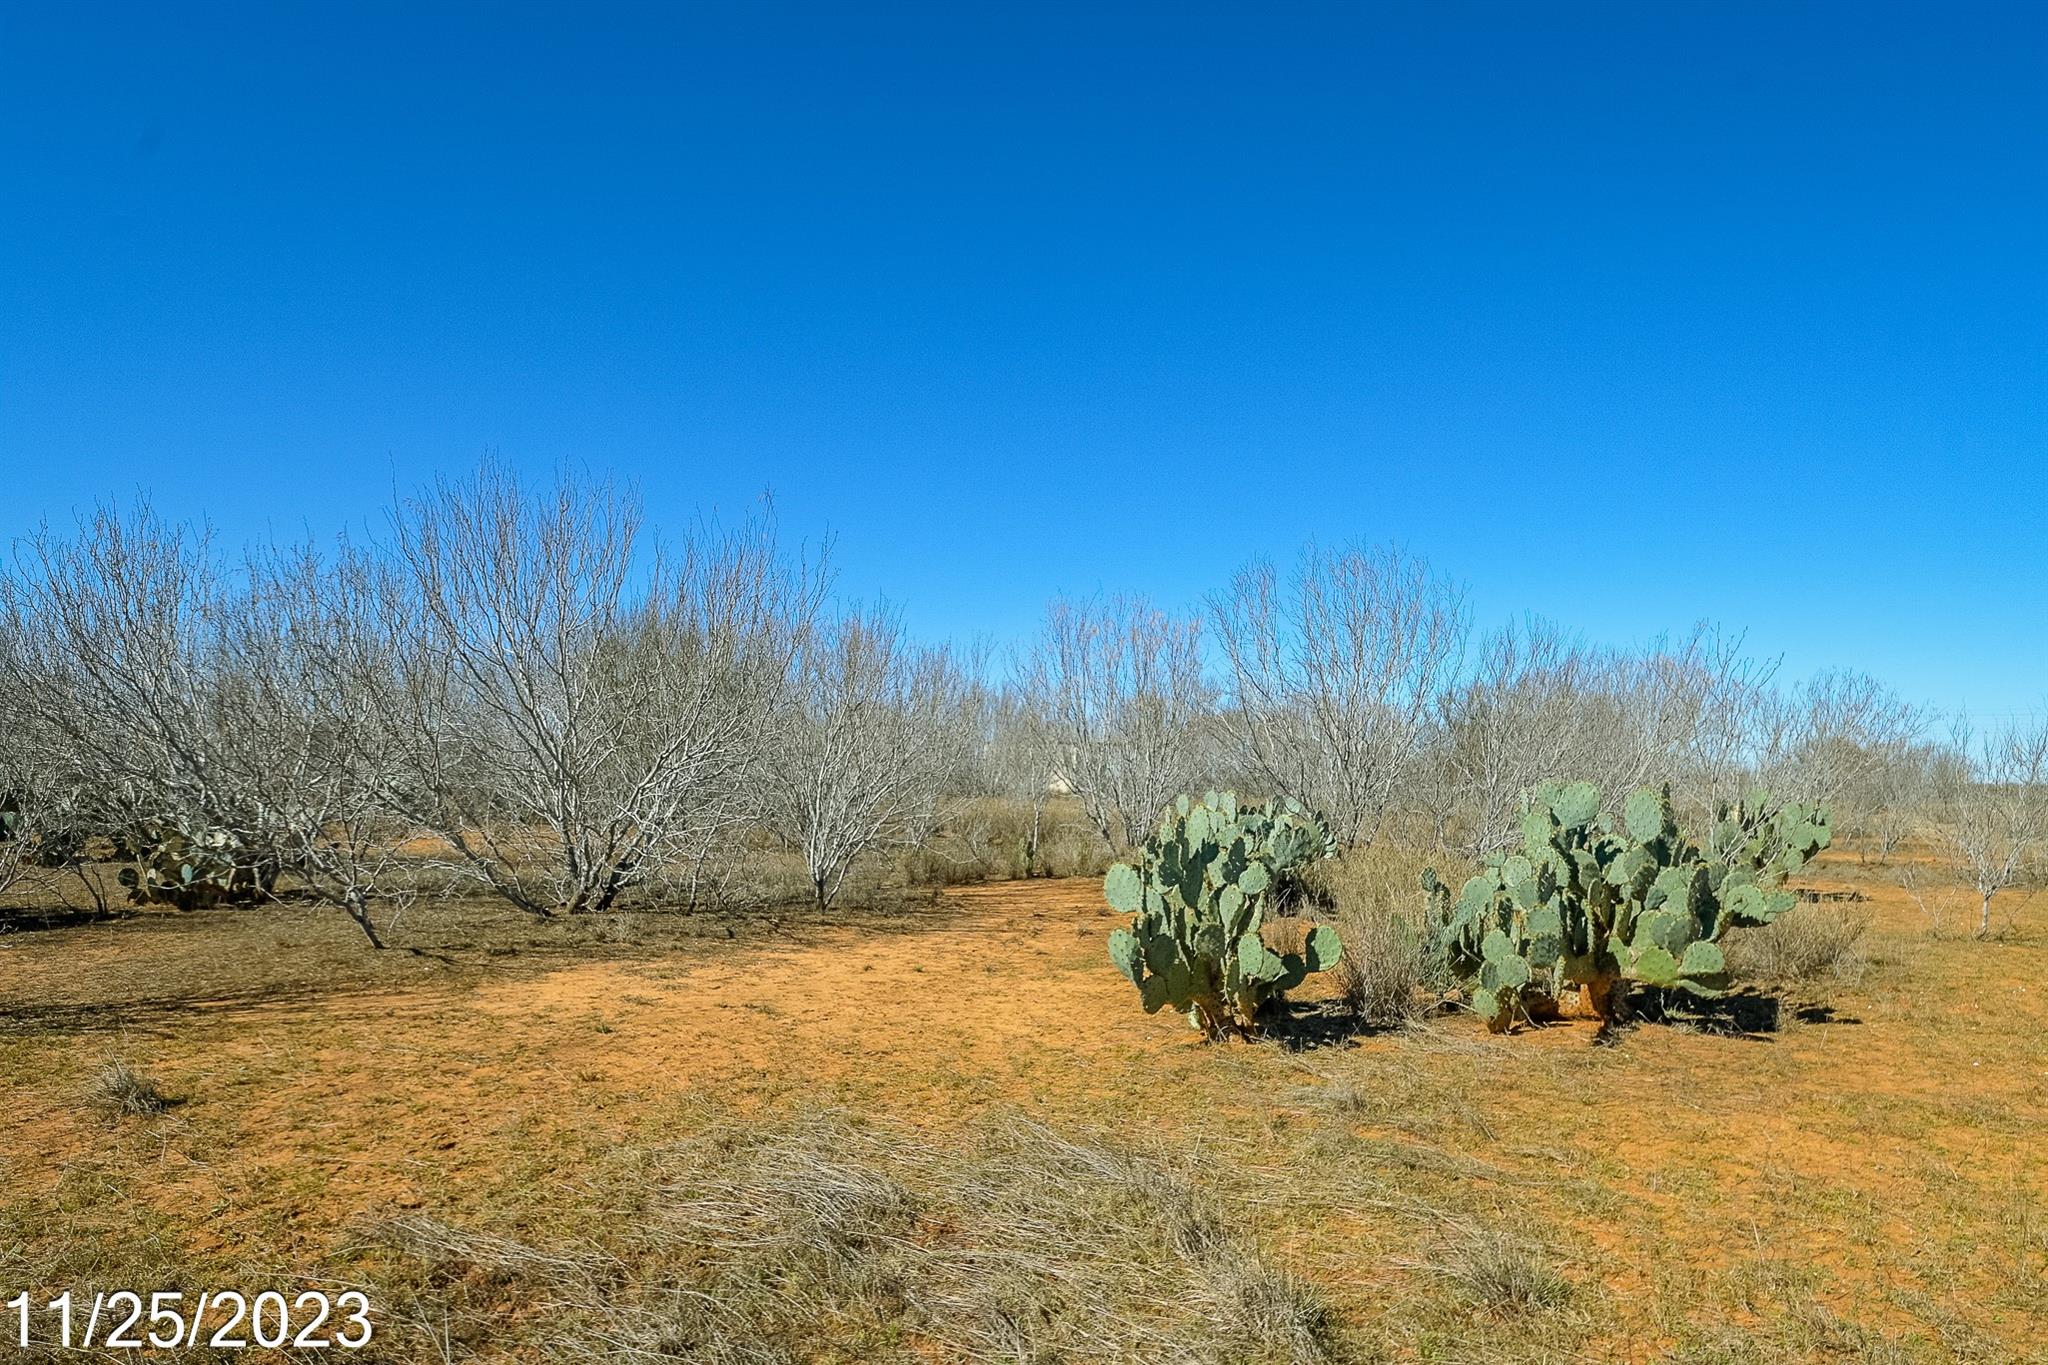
(1059, 780)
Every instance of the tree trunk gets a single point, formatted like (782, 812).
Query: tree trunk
(1031, 847)
(360, 913)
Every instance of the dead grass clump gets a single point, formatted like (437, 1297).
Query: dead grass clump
(821, 1238)
(1027, 1246)
(1376, 893)
(118, 1090)
(1808, 943)
(1498, 1271)
(1384, 967)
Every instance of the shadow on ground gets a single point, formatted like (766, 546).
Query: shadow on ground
(1751, 1014)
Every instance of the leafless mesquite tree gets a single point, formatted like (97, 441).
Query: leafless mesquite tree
(1898, 796)
(107, 633)
(1692, 710)
(37, 829)
(866, 738)
(1829, 738)
(1995, 805)
(1513, 723)
(1334, 672)
(1124, 706)
(166, 693)
(577, 716)
(1016, 763)
(1696, 711)
(114, 658)
(308, 667)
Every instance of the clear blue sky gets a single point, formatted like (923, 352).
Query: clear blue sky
(1628, 313)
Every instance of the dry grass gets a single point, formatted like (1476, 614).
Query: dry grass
(1376, 893)
(1809, 944)
(1384, 968)
(119, 1091)
(822, 1237)
(988, 840)
(1497, 1270)
(644, 1139)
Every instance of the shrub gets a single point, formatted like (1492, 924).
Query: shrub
(1806, 944)
(118, 1089)
(1601, 907)
(1384, 968)
(1386, 973)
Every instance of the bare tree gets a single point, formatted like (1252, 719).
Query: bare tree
(1119, 689)
(306, 663)
(1016, 762)
(106, 638)
(1830, 736)
(1334, 673)
(1691, 710)
(39, 833)
(1995, 808)
(1898, 793)
(866, 739)
(171, 702)
(1514, 723)
(578, 717)
(113, 655)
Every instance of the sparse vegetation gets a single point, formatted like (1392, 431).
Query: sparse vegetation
(608, 1115)
(1807, 945)
(118, 1091)
(751, 1076)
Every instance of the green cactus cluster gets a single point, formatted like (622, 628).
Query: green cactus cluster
(192, 867)
(1586, 903)
(1201, 888)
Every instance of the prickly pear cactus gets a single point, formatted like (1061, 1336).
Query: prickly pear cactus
(1588, 905)
(192, 867)
(1199, 891)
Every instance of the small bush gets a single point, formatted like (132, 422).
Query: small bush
(1383, 970)
(1498, 1272)
(1809, 943)
(118, 1089)
(989, 840)
(1376, 895)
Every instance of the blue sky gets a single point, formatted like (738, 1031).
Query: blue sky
(1629, 314)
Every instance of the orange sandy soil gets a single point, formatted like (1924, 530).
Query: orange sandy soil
(1878, 1168)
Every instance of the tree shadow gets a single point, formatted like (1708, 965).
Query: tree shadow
(168, 969)
(160, 1016)
(47, 918)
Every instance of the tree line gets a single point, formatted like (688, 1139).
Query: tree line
(525, 691)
